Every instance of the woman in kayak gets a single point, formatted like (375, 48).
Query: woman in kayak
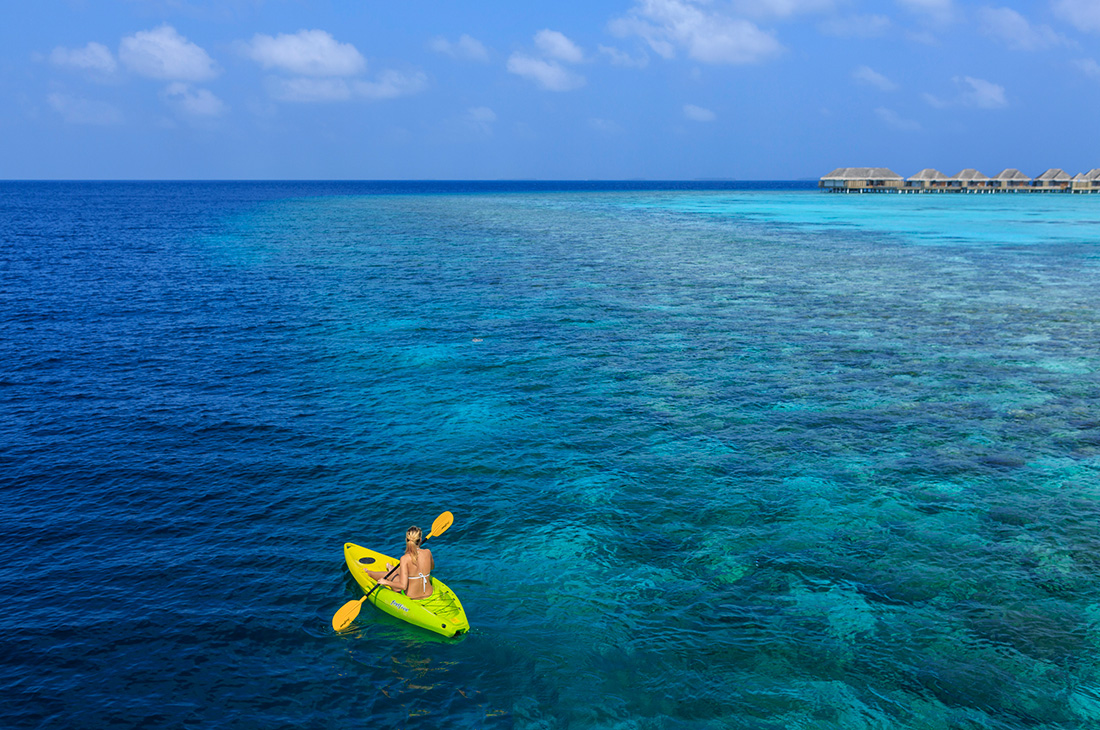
(414, 571)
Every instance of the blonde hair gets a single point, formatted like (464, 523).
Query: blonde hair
(413, 537)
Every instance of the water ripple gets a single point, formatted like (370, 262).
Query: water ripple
(717, 459)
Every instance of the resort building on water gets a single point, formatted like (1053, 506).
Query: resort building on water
(1010, 180)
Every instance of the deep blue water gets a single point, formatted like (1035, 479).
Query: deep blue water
(720, 455)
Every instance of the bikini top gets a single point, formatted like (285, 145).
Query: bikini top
(423, 577)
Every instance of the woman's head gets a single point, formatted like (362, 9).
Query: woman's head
(413, 538)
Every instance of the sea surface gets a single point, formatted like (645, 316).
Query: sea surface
(720, 455)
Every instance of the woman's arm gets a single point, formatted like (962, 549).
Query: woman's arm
(401, 582)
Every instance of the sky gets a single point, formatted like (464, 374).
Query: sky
(564, 90)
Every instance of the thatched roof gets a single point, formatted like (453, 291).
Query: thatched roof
(928, 174)
(969, 174)
(1012, 174)
(1055, 174)
(1080, 177)
(862, 173)
(1093, 174)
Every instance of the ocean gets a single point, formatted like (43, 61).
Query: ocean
(720, 455)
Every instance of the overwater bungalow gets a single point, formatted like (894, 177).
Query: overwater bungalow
(1053, 180)
(969, 181)
(1010, 180)
(862, 180)
(927, 180)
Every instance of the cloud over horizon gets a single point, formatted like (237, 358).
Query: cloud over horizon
(555, 45)
(693, 27)
(1082, 14)
(92, 57)
(162, 53)
(306, 53)
(566, 76)
(194, 102)
(466, 47)
(1015, 31)
(322, 69)
(972, 92)
(868, 76)
(388, 84)
(481, 118)
(545, 69)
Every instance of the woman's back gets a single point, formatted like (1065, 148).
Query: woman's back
(418, 570)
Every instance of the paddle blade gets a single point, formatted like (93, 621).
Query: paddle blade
(441, 524)
(347, 614)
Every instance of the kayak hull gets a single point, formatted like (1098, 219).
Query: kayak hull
(440, 612)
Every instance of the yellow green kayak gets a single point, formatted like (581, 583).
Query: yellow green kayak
(440, 612)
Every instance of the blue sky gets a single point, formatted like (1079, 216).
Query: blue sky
(622, 89)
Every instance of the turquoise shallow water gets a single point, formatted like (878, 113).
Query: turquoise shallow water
(717, 458)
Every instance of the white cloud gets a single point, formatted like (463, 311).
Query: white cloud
(707, 36)
(550, 75)
(867, 75)
(162, 53)
(781, 8)
(92, 57)
(195, 102)
(388, 85)
(306, 53)
(698, 113)
(1015, 31)
(465, 47)
(322, 69)
(547, 70)
(937, 11)
(1088, 66)
(76, 110)
(892, 119)
(309, 89)
(977, 93)
(856, 26)
(980, 93)
(555, 45)
(481, 118)
(621, 58)
(391, 84)
(1082, 14)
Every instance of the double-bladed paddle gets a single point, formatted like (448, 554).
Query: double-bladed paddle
(350, 610)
